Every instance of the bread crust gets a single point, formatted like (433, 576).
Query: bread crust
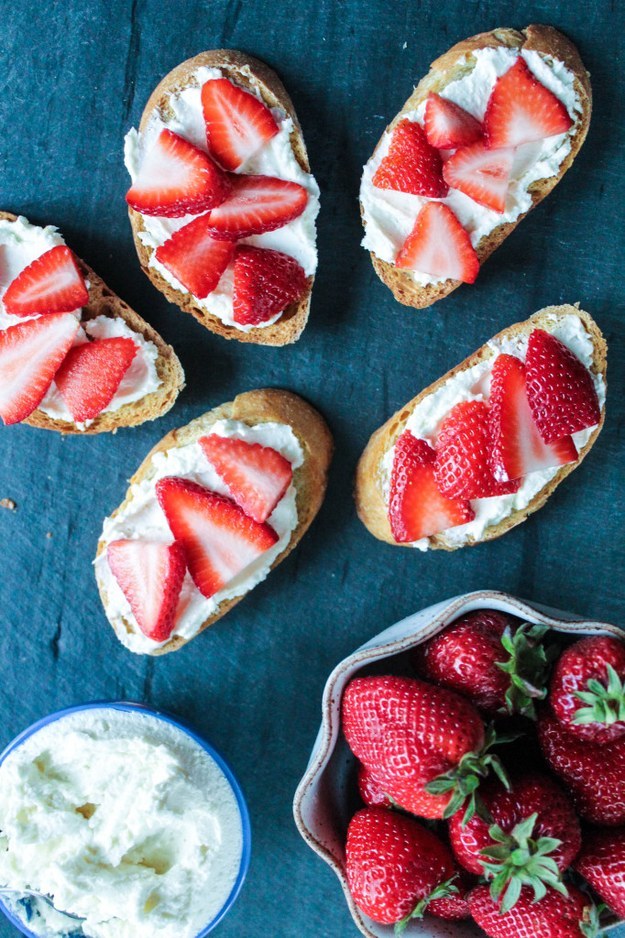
(309, 479)
(370, 502)
(444, 70)
(103, 302)
(251, 74)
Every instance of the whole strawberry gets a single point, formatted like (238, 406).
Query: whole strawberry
(554, 916)
(500, 666)
(396, 869)
(587, 691)
(602, 864)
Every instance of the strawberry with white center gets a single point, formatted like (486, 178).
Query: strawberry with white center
(521, 110)
(439, 246)
(255, 205)
(257, 476)
(516, 445)
(195, 257)
(237, 123)
(218, 539)
(176, 178)
(411, 164)
(30, 355)
(52, 283)
(480, 173)
(448, 126)
(150, 576)
(91, 374)
(265, 283)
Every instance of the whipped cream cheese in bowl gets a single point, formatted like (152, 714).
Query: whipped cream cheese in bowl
(122, 817)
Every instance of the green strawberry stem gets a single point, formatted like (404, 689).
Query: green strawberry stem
(604, 704)
(590, 925)
(442, 891)
(527, 667)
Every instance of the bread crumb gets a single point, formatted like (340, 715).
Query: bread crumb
(8, 503)
(49, 534)
(405, 45)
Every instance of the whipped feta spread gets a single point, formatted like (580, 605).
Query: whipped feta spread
(389, 216)
(20, 244)
(473, 384)
(124, 821)
(143, 519)
(274, 158)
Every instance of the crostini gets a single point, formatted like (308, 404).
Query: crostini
(73, 356)
(212, 509)
(483, 447)
(222, 202)
(483, 138)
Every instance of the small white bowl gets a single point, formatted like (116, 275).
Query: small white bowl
(324, 800)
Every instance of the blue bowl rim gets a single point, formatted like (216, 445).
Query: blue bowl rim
(128, 706)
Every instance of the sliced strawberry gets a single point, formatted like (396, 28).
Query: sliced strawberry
(481, 174)
(30, 355)
(92, 373)
(448, 126)
(462, 451)
(265, 283)
(257, 204)
(560, 389)
(52, 283)
(176, 178)
(237, 123)
(438, 245)
(520, 110)
(411, 164)
(195, 258)
(516, 445)
(150, 576)
(218, 538)
(257, 476)
(416, 506)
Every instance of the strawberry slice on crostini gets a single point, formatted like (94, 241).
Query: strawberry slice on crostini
(448, 126)
(195, 257)
(237, 123)
(257, 476)
(150, 575)
(521, 110)
(218, 538)
(257, 204)
(417, 508)
(482, 174)
(91, 374)
(52, 283)
(411, 164)
(265, 283)
(177, 178)
(30, 355)
(439, 246)
(516, 445)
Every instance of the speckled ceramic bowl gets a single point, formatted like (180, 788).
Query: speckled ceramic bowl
(325, 799)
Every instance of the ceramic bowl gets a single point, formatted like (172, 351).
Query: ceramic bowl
(325, 799)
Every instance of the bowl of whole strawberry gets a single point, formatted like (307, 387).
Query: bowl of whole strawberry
(469, 774)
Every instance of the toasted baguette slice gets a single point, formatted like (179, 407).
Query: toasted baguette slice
(369, 494)
(309, 480)
(103, 302)
(448, 68)
(251, 74)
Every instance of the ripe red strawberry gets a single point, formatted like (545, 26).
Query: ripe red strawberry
(195, 258)
(602, 864)
(499, 665)
(52, 283)
(217, 537)
(480, 173)
(587, 692)
(560, 389)
(237, 123)
(257, 476)
(30, 355)
(397, 869)
(150, 576)
(370, 789)
(438, 245)
(520, 110)
(176, 178)
(265, 283)
(554, 916)
(462, 451)
(91, 374)
(257, 204)
(416, 506)
(411, 164)
(448, 126)
(516, 445)
(594, 773)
